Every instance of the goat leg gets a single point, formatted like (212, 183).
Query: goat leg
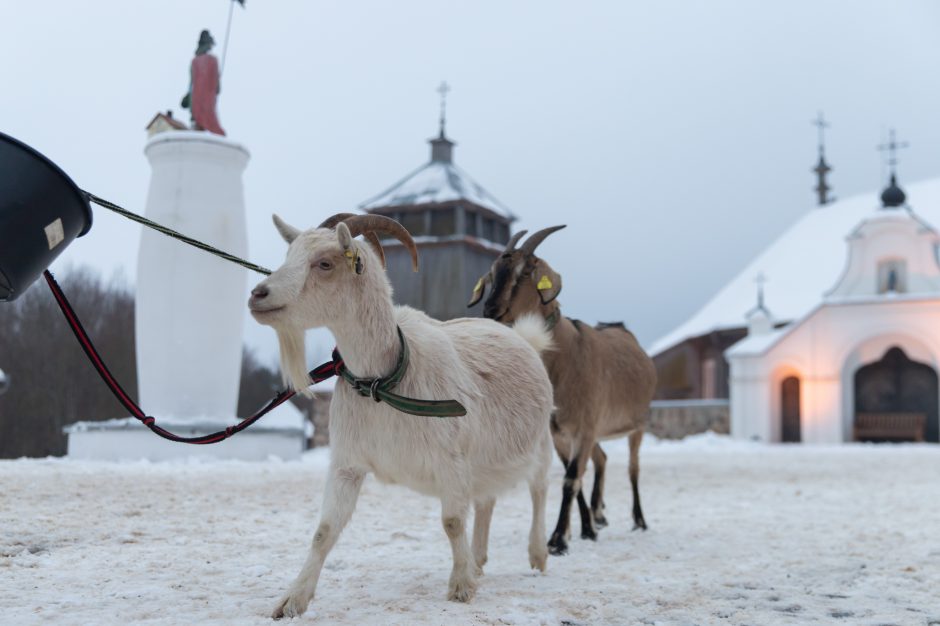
(482, 515)
(574, 471)
(538, 486)
(587, 524)
(339, 501)
(636, 438)
(463, 585)
(599, 457)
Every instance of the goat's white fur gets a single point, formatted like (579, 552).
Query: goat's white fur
(533, 329)
(492, 370)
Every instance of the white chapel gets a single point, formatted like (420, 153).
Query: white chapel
(858, 360)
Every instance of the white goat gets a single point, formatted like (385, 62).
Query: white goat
(332, 280)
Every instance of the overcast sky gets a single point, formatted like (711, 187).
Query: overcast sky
(673, 138)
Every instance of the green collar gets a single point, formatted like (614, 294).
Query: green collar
(551, 319)
(379, 389)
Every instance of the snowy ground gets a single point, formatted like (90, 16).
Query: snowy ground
(739, 534)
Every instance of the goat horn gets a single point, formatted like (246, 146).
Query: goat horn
(533, 242)
(371, 223)
(514, 240)
(372, 238)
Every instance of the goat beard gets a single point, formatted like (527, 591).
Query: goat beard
(294, 360)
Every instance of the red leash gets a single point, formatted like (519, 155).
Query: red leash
(321, 373)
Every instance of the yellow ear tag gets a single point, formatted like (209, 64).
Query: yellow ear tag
(479, 285)
(351, 259)
(544, 283)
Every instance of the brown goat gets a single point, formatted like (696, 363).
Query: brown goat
(603, 380)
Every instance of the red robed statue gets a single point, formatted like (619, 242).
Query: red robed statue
(204, 87)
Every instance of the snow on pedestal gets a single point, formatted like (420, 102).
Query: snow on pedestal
(190, 308)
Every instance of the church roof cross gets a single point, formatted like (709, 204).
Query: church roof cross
(891, 148)
(443, 89)
(821, 124)
(761, 280)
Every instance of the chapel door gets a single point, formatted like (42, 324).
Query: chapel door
(790, 410)
(896, 386)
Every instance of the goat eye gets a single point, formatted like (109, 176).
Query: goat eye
(325, 265)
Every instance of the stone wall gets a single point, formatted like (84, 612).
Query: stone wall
(675, 419)
(669, 419)
(320, 416)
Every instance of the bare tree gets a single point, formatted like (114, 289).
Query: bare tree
(51, 382)
(258, 384)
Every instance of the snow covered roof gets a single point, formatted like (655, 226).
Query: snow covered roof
(801, 265)
(437, 181)
(760, 344)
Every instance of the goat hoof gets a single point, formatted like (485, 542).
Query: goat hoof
(538, 559)
(557, 546)
(291, 605)
(462, 591)
(589, 533)
(600, 521)
(639, 525)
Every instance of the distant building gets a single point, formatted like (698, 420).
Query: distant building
(846, 347)
(459, 227)
(861, 364)
(163, 122)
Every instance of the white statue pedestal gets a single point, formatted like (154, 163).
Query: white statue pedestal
(190, 308)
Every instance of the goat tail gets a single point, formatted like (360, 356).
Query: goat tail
(534, 330)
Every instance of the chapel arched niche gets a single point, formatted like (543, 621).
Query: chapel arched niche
(896, 399)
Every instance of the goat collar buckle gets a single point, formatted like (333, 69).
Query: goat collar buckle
(373, 388)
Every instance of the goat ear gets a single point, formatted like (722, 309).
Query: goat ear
(479, 290)
(288, 232)
(344, 236)
(547, 281)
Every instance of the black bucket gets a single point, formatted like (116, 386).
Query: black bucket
(41, 212)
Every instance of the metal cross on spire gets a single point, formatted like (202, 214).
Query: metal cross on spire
(443, 89)
(820, 123)
(892, 147)
(761, 280)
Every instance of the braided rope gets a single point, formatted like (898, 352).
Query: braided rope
(175, 235)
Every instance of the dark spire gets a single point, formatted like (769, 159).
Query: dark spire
(893, 195)
(822, 168)
(442, 148)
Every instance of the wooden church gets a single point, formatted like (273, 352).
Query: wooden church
(458, 226)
